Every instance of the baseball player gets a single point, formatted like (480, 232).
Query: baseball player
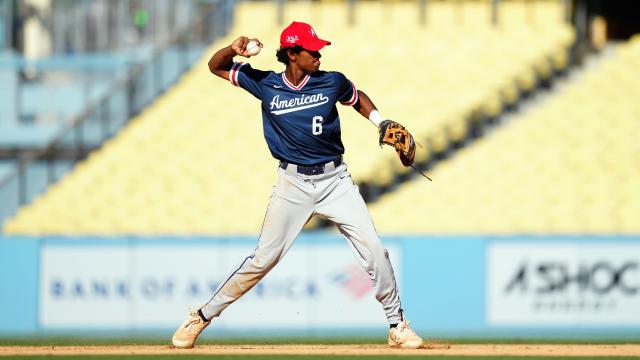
(302, 130)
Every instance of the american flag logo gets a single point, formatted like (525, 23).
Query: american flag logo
(292, 39)
(354, 280)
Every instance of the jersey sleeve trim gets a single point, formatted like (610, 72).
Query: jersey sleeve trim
(233, 74)
(354, 97)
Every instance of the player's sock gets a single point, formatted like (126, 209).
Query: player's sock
(391, 326)
(204, 318)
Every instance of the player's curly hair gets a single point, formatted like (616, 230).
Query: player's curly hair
(282, 54)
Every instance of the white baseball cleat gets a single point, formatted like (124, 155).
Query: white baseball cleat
(186, 335)
(402, 336)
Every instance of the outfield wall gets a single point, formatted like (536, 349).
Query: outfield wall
(525, 286)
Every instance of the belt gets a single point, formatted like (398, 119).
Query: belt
(313, 169)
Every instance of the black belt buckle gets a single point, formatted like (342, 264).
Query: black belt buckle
(311, 170)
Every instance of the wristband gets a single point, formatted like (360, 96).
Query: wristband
(375, 118)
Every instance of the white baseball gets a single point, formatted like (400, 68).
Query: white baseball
(253, 48)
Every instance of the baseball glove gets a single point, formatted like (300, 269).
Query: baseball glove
(395, 135)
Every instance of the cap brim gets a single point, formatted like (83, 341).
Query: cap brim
(316, 45)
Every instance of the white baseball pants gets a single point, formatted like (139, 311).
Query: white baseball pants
(294, 200)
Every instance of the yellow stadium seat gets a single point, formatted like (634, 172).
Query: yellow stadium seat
(195, 161)
(567, 166)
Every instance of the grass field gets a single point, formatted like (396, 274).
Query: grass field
(300, 357)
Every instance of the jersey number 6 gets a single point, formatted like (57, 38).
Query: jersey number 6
(316, 125)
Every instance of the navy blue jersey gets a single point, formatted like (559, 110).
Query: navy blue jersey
(301, 123)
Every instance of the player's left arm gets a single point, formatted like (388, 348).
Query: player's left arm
(390, 132)
(358, 99)
(365, 106)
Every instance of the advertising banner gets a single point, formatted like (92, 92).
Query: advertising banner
(118, 286)
(563, 284)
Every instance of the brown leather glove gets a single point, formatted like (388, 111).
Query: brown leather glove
(395, 135)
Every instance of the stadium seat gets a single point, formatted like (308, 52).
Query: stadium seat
(569, 165)
(195, 160)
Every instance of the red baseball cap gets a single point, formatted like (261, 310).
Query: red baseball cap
(302, 34)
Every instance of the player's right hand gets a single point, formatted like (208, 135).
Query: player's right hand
(239, 45)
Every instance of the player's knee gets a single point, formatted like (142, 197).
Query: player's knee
(265, 260)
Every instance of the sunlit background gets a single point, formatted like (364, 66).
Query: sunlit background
(132, 180)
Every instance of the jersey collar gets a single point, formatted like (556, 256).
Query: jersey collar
(290, 85)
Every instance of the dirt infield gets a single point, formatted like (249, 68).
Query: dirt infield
(362, 349)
